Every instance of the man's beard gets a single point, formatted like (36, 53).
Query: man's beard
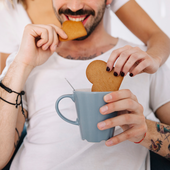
(92, 26)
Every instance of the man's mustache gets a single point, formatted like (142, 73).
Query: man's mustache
(79, 12)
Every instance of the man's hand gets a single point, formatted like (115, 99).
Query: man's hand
(38, 44)
(130, 117)
(132, 60)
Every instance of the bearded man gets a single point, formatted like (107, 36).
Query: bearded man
(41, 68)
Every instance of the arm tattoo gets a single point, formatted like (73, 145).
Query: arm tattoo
(15, 145)
(169, 147)
(156, 145)
(164, 131)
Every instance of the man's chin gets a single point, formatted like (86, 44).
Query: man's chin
(83, 38)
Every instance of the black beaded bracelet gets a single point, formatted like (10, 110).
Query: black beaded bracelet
(18, 95)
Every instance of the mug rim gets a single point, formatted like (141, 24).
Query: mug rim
(88, 90)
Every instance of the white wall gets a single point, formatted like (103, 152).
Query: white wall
(158, 10)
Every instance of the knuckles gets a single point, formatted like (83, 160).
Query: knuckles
(128, 47)
(127, 117)
(137, 48)
(141, 109)
(128, 135)
(117, 140)
(124, 54)
(128, 92)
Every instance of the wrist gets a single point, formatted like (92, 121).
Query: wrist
(141, 139)
(157, 58)
(17, 75)
(23, 66)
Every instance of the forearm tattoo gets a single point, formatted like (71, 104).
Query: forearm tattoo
(165, 133)
(16, 144)
(156, 145)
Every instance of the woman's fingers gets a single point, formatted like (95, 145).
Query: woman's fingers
(132, 60)
(139, 67)
(115, 54)
(124, 58)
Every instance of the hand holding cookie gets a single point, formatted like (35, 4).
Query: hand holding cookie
(101, 79)
(133, 60)
(73, 29)
(38, 43)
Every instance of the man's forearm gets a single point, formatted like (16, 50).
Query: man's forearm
(159, 47)
(15, 80)
(158, 138)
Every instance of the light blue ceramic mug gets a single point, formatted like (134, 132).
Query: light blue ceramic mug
(87, 106)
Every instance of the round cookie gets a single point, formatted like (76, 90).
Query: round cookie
(73, 29)
(101, 79)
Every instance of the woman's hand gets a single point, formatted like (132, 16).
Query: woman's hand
(38, 43)
(132, 60)
(130, 117)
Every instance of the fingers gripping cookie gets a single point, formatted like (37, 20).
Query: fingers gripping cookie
(73, 29)
(101, 79)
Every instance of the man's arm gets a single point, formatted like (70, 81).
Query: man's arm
(158, 134)
(10, 118)
(158, 43)
(30, 55)
(3, 58)
(18, 131)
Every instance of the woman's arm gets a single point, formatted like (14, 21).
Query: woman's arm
(138, 22)
(3, 58)
(141, 25)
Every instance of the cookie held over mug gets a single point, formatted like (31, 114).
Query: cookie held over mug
(101, 79)
(88, 102)
(73, 29)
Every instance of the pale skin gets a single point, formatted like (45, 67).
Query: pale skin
(31, 55)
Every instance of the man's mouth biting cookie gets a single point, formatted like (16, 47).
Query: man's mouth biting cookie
(73, 29)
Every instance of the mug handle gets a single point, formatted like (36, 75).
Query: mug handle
(71, 96)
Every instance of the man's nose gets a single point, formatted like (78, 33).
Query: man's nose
(75, 5)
